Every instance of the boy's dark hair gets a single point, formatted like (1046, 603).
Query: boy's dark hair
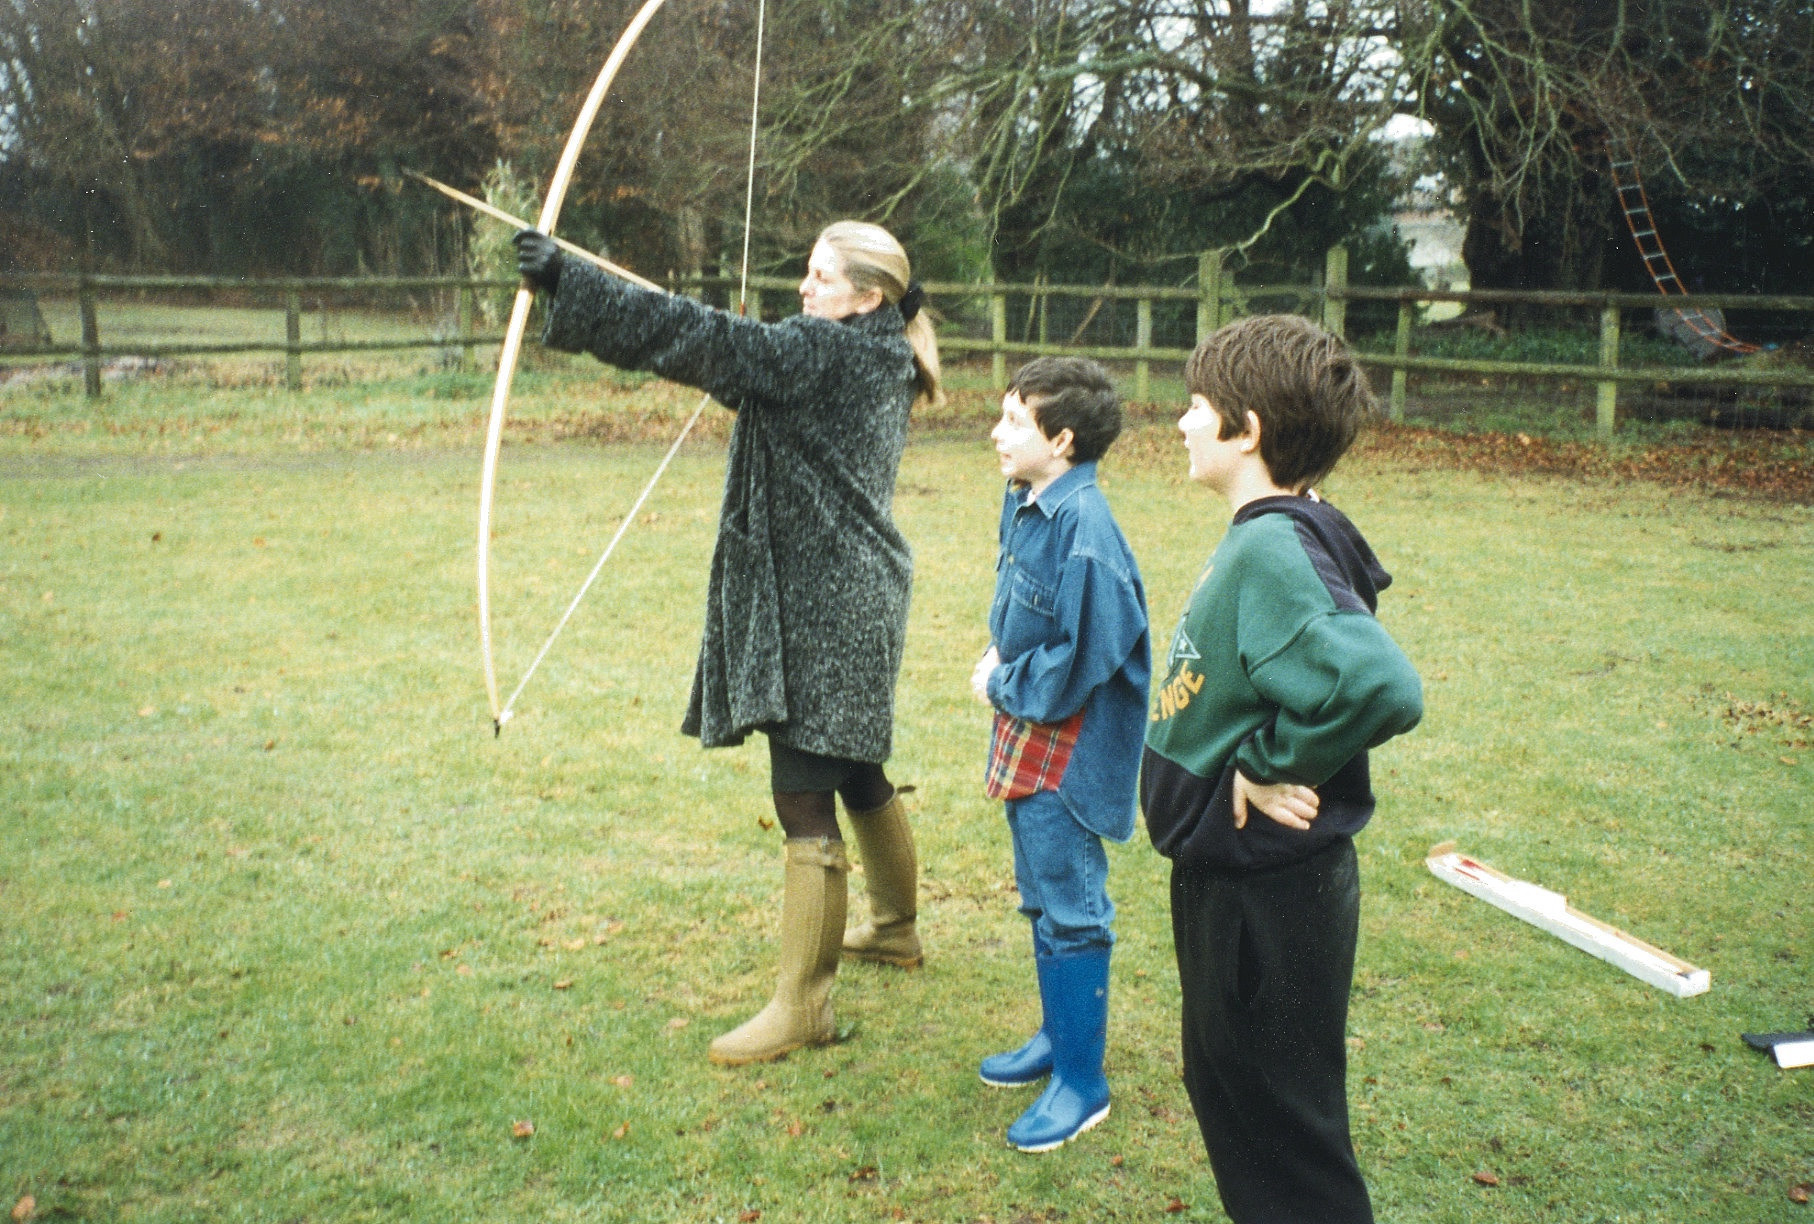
(1071, 393)
(1301, 381)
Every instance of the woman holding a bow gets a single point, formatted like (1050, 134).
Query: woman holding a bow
(806, 611)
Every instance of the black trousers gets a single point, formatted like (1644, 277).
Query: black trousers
(1265, 961)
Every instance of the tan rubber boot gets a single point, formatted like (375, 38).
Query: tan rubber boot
(892, 870)
(813, 901)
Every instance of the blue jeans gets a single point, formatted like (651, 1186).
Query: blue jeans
(1063, 875)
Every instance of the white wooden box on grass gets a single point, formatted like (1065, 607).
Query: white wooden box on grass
(1551, 912)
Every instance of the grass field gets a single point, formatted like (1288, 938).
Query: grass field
(289, 936)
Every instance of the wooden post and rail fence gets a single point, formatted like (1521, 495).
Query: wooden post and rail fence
(1215, 297)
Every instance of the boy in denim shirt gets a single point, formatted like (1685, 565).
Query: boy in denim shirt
(1067, 673)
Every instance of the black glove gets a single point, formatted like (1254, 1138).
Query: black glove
(538, 260)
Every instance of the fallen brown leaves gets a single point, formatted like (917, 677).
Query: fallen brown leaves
(1779, 715)
(1774, 466)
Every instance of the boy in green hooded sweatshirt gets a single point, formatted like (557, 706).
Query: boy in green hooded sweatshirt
(1254, 779)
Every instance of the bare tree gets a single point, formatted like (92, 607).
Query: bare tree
(1229, 116)
(663, 179)
(170, 133)
(1031, 123)
(1712, 97)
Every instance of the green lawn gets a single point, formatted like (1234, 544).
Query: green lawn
(289, 936)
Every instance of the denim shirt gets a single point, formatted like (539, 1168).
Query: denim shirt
(1069, 621)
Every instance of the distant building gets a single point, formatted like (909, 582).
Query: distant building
(1435, 237)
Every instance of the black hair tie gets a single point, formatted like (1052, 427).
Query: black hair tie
(912, 300)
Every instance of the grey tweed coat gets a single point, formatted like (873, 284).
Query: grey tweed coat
(806, 612)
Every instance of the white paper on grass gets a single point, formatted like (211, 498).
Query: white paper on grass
(1794, 1053)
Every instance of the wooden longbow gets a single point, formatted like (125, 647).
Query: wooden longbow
(513, 341)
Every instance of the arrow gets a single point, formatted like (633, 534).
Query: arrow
(500, 215)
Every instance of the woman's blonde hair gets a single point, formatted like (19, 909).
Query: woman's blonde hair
(873, 259)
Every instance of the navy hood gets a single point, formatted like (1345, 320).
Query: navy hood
(1342, 557)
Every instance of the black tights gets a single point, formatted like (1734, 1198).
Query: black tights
(815, 813)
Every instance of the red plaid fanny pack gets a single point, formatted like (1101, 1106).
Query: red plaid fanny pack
(1028, 757)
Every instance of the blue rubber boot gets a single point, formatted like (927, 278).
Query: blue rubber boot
(1018, 1068)
(1033, 1061)
(1075, 990)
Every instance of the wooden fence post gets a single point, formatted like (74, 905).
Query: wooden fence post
(1335, 279)
(464, 323)
(753, 296)
(1143, 339)
(998, 335)
(91, 339)
(1209, 293)
(1401, 347)
(1606, 392)
(292, 340)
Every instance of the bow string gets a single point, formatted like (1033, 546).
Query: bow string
(519, 320)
